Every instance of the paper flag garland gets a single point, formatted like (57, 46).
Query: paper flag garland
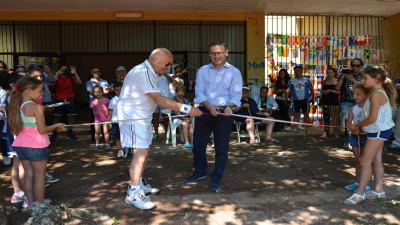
(279, 51)
(367, 54)
(295, 52)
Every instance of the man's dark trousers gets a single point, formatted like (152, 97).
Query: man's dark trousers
(221, 127)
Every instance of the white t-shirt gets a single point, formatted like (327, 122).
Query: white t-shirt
(133, 102)
(357, 114)
(113, 107)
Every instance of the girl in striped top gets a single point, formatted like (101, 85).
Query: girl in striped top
(26, 120)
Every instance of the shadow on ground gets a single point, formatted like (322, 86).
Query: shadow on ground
(297, 181)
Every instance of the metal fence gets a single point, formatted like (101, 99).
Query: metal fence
(57, 39)
(320, 41)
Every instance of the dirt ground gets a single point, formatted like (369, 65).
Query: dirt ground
(297, 181)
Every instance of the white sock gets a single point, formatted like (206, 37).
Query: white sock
(19, 194)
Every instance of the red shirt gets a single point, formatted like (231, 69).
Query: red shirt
(64, 88)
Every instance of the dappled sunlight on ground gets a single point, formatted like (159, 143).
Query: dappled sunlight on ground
(297, 181)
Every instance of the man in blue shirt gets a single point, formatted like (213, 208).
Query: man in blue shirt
(218, 89)
(301, 92)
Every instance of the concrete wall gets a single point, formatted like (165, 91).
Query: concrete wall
(392, 43)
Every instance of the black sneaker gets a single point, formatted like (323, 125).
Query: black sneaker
(215, 187)
(127, 152)
(195, 178)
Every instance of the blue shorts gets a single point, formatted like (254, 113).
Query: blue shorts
(383, 135)
(32, 154)
(357, 141)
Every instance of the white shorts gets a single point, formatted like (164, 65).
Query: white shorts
(137, 134)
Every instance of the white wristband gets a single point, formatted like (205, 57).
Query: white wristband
(185, 108)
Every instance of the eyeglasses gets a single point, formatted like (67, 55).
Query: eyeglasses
(355, 65)
(216, 53)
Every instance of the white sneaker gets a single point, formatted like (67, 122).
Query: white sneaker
(138, 199)
(6, 160)
(147, 189)
(120, 154)
(25, 203)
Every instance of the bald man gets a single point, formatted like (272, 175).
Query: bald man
(138, 99)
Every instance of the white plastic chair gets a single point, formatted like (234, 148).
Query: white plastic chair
(256, 132)
(171, 133)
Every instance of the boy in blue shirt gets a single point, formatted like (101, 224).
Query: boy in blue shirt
(301, 92)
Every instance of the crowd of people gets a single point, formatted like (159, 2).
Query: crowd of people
(36, 102)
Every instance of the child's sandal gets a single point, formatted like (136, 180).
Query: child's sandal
(374, 195)
(354, 199)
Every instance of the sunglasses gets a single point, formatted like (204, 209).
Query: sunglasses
(355, 65)
(216, 53)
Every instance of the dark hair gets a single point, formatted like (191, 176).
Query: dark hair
(263, 88)
(346, 71)
(4, 65)
(180, 88)
(3, 79)
(117, 84)
(178, 66)
(92, 70)
(334, 70)
(377, 72)
(286, 77)
(215, 43)
(97, 87)
(362, 88)
(14, 115)
(36, 70)
(13, 79)
(7, 79)
(360, 60)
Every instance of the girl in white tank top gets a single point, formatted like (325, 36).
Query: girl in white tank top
(377, 122)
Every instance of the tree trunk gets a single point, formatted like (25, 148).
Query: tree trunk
(3, 214)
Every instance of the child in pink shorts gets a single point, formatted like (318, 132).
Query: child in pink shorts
(100, 109)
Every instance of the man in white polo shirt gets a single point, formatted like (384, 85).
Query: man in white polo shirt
(138, 99)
